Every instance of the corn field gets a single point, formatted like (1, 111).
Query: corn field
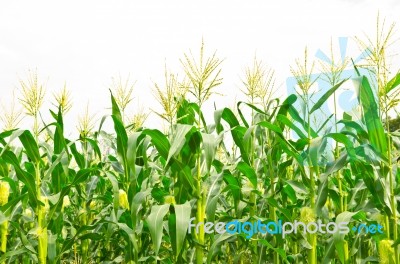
(132, 194)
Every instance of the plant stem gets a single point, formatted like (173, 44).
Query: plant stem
(342, 207)
(392, 192)
(252, 199)
(312, 257)
(338, 178)
(4, 232)
(42, 227)
(271, 207)
(200, 214)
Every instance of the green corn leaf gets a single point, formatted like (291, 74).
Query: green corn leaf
(210, 143)
(296, 117)
(79, 159)
(185, 113)
(178, 225)
(155, 224)
(354, 125)
(338, 137)
(237, 131)
(115, 109)
(374, 125)
(214, 247)
(15, 134)
(197, 109)
(238, 135)
(227, 115)
(132, 147)
(284, 120)
(115, 188)
(233, 186)
(13, 253)
(159, 140)
(83, 175)
(184, 172)
(339, 238)
(136, 204)
(30, 146)
(324, 124)
(122, 138)
(4, 135)
(59, 140)
(287, 104)
(25, 177)
(252, 107)
(392, 84)
(214, 183)
(3, 168)
(248, 172)
(27, 243)
(131, 234)
(325, 97)
(336, 165)
(298, 187)
(322, 195)
(95, 146)
(52, 246)
(179, 139)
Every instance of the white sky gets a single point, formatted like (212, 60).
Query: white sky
(85, 43)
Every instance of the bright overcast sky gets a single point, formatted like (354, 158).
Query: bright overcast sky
(85, 43)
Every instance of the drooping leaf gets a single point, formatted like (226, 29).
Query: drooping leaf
(179, 223)
(248, 172)
(371, 115)
(30, 146)
(155, 223)
(178, 139)
(325, 97)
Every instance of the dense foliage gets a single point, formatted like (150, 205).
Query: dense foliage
(128, 196)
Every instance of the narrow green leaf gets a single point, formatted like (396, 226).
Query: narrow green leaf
(159, 140)
(115, 188)
(227, 115)
(155, 223)
(214, 247)
(182, 218)
(59, 140)
(392, 84)
(325, 97)
(25, 177)
(178, 139)
(248, 172)
(210, 143)
(284, 120)
(374, 125)
(338, 137)
(122, 138)
(115, 109)
(30, 146)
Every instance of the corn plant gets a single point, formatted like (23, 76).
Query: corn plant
(133, 194)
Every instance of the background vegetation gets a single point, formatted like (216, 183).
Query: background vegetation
(127, 196)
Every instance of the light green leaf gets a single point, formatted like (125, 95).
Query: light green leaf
(179, 139)
(325, 97)
(182, 218)
(155, 223)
